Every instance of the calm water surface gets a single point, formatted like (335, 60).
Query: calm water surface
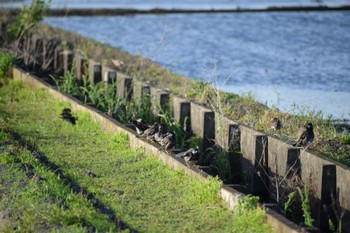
(282, 58)
(179, 4)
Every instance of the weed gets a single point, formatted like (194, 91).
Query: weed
(27, 19)
(175, 127)
(286, 210)
(303, 203)
(67, 83)
(6, 60)
(221, 166)
(345, 140)
(248, 215)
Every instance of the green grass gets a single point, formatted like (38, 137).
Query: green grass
(33, 198)
(6, 60)
(141, 191)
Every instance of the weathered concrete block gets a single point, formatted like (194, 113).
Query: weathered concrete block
(36, 52)
(160, 100)
(95, 71)
(81, 67)
(227, 138)
(109, 75)
(254, 147)
(343, 194)
(49, 53)
(142, 92)
(284, 159)
(58, 60)
(225, 131)
(329, 198)
(203, 125)
(26, 47)
(312, 170)
(182, 112)
(124, 86)
(68, 57)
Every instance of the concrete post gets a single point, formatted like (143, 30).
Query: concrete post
(260, 177)
(109, 75)
(58, 60)
(254, 162)
(68, 57)
(203, 125)
(95, 71)
(182, 113)
(124, 86)
(49, 53)
(81, 67)
(293, 166)
(37, 51)
(141, 92)
(26, 44)
(234, 138)
(329, 200)
(160, 100)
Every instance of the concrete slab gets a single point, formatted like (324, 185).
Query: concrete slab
(124, 86)
(81, 67)
(160, 100)
(68, 56)
(95, 71)
(109, 75)
(141, 91)
(182, 112)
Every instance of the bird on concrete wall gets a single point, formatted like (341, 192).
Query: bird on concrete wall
(306, 137)
(140, 125)
(149, 133)
(168, 142)
(162, 132)
(276, 124)
(190, 154)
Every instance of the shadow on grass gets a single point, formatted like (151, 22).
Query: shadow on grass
(104, 209)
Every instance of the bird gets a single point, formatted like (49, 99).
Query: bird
(306, 137)
(168, 142)
(91, 174)
(275, 124)
(190, 154)
(161, 133)
(150, 131)
(140, 125)
(67, 115)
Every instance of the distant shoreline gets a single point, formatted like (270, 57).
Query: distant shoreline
(131, 11)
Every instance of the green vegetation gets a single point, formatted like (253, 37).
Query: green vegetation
(246, 219)
(27, 19)
(6, 60)
(33, 198)
(138, 189)
(296, 204)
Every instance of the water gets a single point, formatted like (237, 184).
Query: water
(283, 59)
(179, 4)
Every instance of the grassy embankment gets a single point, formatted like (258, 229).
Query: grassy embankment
(50, 187)
(328, 140)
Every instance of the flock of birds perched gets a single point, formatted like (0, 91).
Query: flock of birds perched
(160, 134)
(306, 137)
